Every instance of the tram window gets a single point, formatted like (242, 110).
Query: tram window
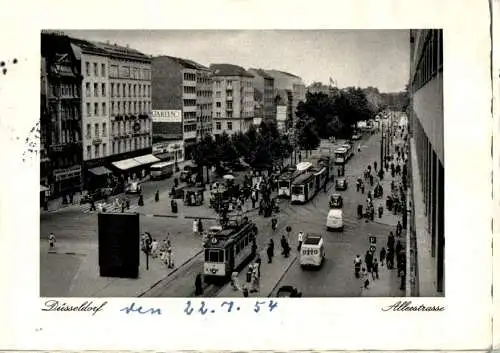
(214, 256)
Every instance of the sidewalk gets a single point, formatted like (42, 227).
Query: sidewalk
(271, 274)
(88, 283)
(387, 285)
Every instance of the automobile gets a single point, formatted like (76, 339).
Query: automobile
(133, 188)
(97, 194)
(340, 184)
(334, 220)
(288, 291)
(336, 201)
(356, 137)
(312, 251)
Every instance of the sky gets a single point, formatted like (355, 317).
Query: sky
(377, 58)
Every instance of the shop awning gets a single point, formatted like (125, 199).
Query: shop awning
(43, 188)
(100, 171)
(126, 164)
(147, 159)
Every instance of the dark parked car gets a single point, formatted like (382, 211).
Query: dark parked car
(336, 201)
(288, 291)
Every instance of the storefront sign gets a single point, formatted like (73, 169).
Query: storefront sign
(167, 116)
(67, 173)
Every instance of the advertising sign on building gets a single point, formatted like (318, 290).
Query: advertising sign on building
(281, 113)
(167, 116)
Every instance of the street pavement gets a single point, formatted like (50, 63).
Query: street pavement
(336, 277)
(72, 269)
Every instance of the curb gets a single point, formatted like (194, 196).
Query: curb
(170, 274)
(283, 275)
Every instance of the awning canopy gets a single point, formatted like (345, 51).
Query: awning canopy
(100, 171)
(43, 188)
(147, 159)
(126, 164)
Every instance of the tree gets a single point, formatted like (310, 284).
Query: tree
(224, 149)
(307, 137)
(241, 144)
(204, 154)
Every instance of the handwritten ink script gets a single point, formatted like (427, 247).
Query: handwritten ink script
(56, 305)
(408, 306)
(204, 308)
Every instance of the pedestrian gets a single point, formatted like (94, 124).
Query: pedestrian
(234, 280)
(195, 226)
(249, 273)
(157, 196)
(198, 285)
(390, 241)
(154, 248)
(382, 256)
(200, 226)
(375, 269)
(257, 265)
(390, 258)
(270, 251)
(245, 291)
(380, 211)
(357, 266)
(169, 255)
(399, 247)
(364, 278)
(368, 260)
(399, 229)
(285, 248)
(52, 241)
(403, 280)
(255, 280)
(300, 239)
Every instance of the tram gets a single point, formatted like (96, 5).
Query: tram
(304, 187)
(341, 156)
(285, 181)
(229, 250)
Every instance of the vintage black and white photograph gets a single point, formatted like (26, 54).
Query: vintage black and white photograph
(242, 163)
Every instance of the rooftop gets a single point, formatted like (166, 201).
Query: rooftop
(282, 73)
(107, 49)
(229, 70)
(261, 73)
(188, 64)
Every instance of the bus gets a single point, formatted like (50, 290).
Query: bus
(341, 156)
(349, 149)
(161, 170)
(285, 182)
(229, 250)
(304, 188)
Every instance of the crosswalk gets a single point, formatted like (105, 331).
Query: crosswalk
(110, 206)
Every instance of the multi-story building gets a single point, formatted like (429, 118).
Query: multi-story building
(233, 99)
(61, 134)
(204, 102)
(427, 156)
(289, 87)
(181, 105)
(264, 84)
(94, 65)
(116, 106)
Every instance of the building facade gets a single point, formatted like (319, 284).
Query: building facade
(181, 104)
(116, 110)
(290, 88)
(264, 83)
(61, 118)
(426, 124)
(233, 99)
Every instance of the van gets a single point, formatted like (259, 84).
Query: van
(312, 251)
(334, 220)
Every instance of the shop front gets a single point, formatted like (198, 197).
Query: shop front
(66, 180)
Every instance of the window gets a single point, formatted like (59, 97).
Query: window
(136, 143)
(112, 112)
(112, 90)
(96, 73)
(218, 125)
(129, 145)
(229, 114)
(119, 107)
(96, 90)
(135, 107)
(129, 93)
(96, 130)
(103, 89)
(218, 114)
(124, 87)
(130, 107)
(217, 94)
(104, 108)
(104, 150)
(89, 152)
(113, 146)
(89, 112)
(103, 70)
(87, 68)
(104, 129)
(229, 105)
(89, 132)
(113, 127)
(217, 104)
(96, 109)
(87, 89)
(229, 125)
(96, 151)
(118, 90)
